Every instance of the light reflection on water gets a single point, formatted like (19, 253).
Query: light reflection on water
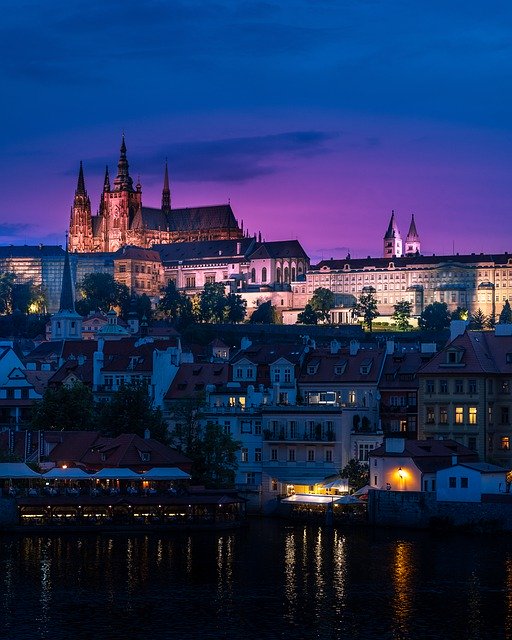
(271, 581)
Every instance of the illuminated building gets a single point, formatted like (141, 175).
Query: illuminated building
(123, 220)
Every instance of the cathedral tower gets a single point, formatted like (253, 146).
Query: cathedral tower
(120, 205)
(80, 224)
(392, 239)
(166, 192)
(412, 241)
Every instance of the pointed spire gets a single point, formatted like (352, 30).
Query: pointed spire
(106, 181)
(166, 192)
(392, 231)
(80, 187)
(412, 234)
(123, 182)
(67, 301)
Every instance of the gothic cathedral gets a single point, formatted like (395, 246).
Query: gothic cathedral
(123, 220)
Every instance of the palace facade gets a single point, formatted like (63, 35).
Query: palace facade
(471, 281)
(123, 220)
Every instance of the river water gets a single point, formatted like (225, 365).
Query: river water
(272, 580)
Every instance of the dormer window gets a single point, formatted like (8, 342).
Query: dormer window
(311, 369)
(145, 456)
(103, 457)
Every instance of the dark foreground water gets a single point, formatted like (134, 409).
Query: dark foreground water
(270, 581)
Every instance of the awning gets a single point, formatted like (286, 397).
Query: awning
(163, 473)
(299, 498)
(363, 491)
(71, 473)
(17, 470)
(116, 474)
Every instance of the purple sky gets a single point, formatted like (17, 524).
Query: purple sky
(315, 118)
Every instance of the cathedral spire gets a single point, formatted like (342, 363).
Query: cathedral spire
(392, 239)
(106, 181)
(412, 241)
(123, 182)
(67, 301)
(80, 187)
(166, 192)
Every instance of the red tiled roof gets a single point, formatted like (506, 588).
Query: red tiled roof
(350, 367)
(191, 379)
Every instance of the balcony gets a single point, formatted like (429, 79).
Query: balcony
(300, 436)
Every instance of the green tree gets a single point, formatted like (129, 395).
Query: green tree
(460, 313)
(322, 302)
(479, 320)
(435, 317)
(130, 410)
(366, 308)
(100, 291)
(6, 289)
(213, 455)
(65, 408)
(357, 473)
(176, 305)
(264, 314)
(506, 314)
(236, 308)
(402, 314)
(212, 303)
(308, 316)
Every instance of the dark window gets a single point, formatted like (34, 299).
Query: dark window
(464, 483)
(452, 483)
(443, 386)
(459, 386)
(472, 386)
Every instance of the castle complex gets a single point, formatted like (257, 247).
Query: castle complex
(122, 220)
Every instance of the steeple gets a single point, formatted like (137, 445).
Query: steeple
(392, 239)
(412, 241)
(123, 182)
(67, 301)
(67, 323)
(166, 192)
(80, 187)
(106, 181)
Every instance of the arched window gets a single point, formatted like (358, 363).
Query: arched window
(253, 275)
(286, 274)
(294, 277)
(278, 274)
(264, 274)
(300, 269)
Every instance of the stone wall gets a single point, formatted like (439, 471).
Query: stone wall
(421, 510)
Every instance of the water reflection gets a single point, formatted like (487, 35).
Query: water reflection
(403, 574)
(272, 581)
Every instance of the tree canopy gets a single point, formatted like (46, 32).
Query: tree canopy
(68, 408)
(308, 316)
(22, 296)
(479, 320)
(435, 317)
(176, 305)
(366, 308)
(402, 315)
(100, 291)
(130, 410)
(322, 302)
(506, 314)
(264, 314)
(357, 474)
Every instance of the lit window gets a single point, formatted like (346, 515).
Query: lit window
(245, 455)
(473, 415)
(505, 443)
(459, 415)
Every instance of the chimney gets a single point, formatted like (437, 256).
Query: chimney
(353, 347)
(457, 328)
(390, 347)
(454, 460)
(238, 248)
(147, 434)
